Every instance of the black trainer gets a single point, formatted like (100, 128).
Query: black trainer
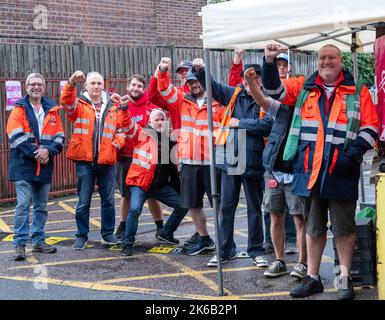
(157, 232)
(308, 287)
(193, 240)
(346, 292)
(121, 232)
(167, 238)
(127, 250)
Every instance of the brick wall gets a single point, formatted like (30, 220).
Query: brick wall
(99, 22)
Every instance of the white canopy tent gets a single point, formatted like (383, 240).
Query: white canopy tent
(302, 24)
(295, 24)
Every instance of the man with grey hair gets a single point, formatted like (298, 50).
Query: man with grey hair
(97, 136)
(36, 135)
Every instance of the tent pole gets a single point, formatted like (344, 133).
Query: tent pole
(288, 64)
(355, 74)
(215, 197)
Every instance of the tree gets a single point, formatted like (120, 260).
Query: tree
(365, 66)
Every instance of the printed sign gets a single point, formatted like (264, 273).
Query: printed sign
(13, 89)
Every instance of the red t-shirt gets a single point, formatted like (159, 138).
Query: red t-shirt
(140, 113)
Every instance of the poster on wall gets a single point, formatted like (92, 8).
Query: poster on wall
(380, 81)
(13, 90)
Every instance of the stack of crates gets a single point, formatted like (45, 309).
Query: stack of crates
(364, 261)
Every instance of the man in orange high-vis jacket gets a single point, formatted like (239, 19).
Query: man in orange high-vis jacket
(334, 124)
(150, 176)
(193, 147)
(36, 135)
(98, 135)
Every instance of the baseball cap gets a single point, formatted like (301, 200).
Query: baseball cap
(184, 64)
(257, 68)
(191, 76)
(283, 56)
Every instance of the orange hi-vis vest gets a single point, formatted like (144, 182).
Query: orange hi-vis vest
(25, 139)
(322, 137)
(193, 142)
(84, 139)
(144, 157)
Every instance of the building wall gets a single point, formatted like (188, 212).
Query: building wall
(119, 23)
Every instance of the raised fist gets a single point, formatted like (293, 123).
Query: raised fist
(198, 64)
(165, 64)
(238, 55)
(125, 100)
(78, 76)
(250, 74)
(115, 98)
(272, 51)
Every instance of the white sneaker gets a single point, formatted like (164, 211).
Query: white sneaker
(214, 261)
(276, 269)
(299, 271)
(260, 261)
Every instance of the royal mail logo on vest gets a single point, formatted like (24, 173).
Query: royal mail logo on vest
(52, 121)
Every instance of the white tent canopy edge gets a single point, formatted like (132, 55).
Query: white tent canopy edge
(252, 24)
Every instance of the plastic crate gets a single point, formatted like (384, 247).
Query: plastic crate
(362, 272)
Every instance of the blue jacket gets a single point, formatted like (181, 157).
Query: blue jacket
(247, 111)
(273, 153)
(340, 168)
(24, 140)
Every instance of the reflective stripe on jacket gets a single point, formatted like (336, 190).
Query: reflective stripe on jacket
(83, 141)
(193, 142)
(24, 140)
(321, 157)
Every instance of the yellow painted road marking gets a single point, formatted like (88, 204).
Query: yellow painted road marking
(61, 263)
(165, 249)
(54, 240)
(192, 273)
(4, 227)
(65, 230)
(93, 221)
(102, 287)
(8, 238)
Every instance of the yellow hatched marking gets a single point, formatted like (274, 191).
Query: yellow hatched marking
(8, 238)
(61, 263)
(54, 240)
(101, 287)
(162, 249)
(180, 274)
(192, 273)
(4, 227)
(32, 259)
(93, 221)
(65, 230)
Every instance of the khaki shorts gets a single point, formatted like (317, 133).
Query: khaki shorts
(277, 199)
(342, 214)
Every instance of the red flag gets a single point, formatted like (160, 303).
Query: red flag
(380, 82)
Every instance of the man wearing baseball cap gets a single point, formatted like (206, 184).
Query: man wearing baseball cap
(183, 68)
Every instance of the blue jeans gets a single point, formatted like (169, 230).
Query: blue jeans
(166, 195)
(104, 175)
(290, 231)
(230, 190)
(25, 190)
